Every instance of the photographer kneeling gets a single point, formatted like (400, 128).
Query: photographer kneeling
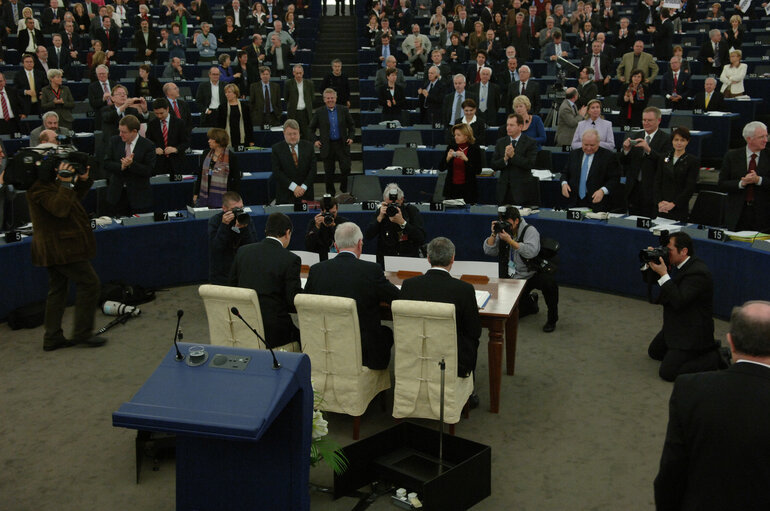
(516, 244)
(63, 242)
(320, 232)
(228, 231)
(398, 226)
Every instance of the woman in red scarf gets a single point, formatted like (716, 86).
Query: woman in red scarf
(219, 172)
(462, 163)
(634, 99)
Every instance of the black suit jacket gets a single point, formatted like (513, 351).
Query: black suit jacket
(605, 64)
(273, 272)
(287, 56)
(96, 100)
(676, 183)
(136, 177)
(46, 20)
(635, 161)
(63, 62)
(604, 172)
(521, 43)
(717, 426)
(17, 105)
(113, 43)
(365, 282)
(285, 172)
(493, 104)
(532, 92)
(257, 104)
(707, 51)
(471, 168)
(142, 47)
(430, 107)
(586, 93)
(178, 137)
(8, 17)
(320, 121)
(716, 104)
(23, 40)
(663, 40)
(111, 118)
(21, 83)
(734, 167)
(393, 112)
(683, 88)
(184, 112)
(203, 96)
(449, 102)
(440, 286)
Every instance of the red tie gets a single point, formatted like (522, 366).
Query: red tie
(750, 188)
(164, 128)
(6, 114)
(176, 109)
(675, 81)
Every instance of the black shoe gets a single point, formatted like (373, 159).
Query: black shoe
(92, 342)
(473, 401)
(61, 343)
(549, 327)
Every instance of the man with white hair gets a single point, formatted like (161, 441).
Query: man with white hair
(714, 53)
(452, 108)
(409, 42)
(525, 86)
(50, 122)
(745, 176)
(591, 175)
(284, 36)
(489, 98)
(431, 97)
(206, 42)
(348, 276)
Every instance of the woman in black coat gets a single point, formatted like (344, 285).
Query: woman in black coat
(235, 118)
(463, 164)
(633, 100)
(676, 178)
(392, 98)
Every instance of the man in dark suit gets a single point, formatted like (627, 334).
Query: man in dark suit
(431, 97)
(58, 56)
(745, 176)
(473, 69)
(28, 40)
(269, 268)
(336, 132)
(171, 139)
(52, 18)
(265, 100)
(514, 157)
(506, 75)
(404, 17)
(146, 43)
(30, 81)
(71, 40)
(238, 13)
(299, 94)
(662, 36)
(520, 37)
(600, 65)
(452, 107)
(256, 50)
(348, 276)
(591, 175)
(686, 343)
(10, 100)
(279, 54)
(179, 107)
(640, 157)
(555, 49)
(587, 88)
(293, 163)
(100, 93)
(109, 35)
(120, 106)
(210, 96)
(129, 164)
(709, 99)
(716, 449)
(489, 98)
(714, 53)
(12, 14)
(384, 49)
(675, 85)
(226, 236)
(525, 86)
(437, 285)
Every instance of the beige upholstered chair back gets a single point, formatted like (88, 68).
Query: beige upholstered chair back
(331, 336)
(424, 333)
(226, 329)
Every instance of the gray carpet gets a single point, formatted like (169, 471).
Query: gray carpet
(581, 424)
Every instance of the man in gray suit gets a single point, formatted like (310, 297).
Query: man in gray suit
(569, 117)
(50, 122)
(299, 100)
(337, 130)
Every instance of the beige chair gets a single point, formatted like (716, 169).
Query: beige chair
(225, 328)
(424, 333)
(331, 337)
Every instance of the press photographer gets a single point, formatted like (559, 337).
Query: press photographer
(517, 246)
(228, 231)
(63, 242)
(398, 226)
(686, 343)
(320, 232)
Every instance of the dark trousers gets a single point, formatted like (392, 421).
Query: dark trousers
(88, 289)
(338, 152)
(550, 289)
(123, 207)
(10, 127)
(303, 119)
(209, 120)
(748, 219)
(674, 362)
(377, 356)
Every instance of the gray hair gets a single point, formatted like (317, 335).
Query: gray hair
(711, 78)
(438, 70)
(292, 124)
(102, 67)
(592, 132)
(392, 187)
(713, 32)
(53, 73)
(331, 91)
(347, 235)
(525, 68)
(50, 114)
(336, 61)
(751, 128)
(440, 251)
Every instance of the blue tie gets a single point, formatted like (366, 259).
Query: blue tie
(584, 176)
(386, 54)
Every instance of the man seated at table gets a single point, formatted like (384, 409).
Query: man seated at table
(226, 235)
(269, 268)
(591, 174)
(437, 285)
(50, 122)
(348, 276)
(709, 99)
(397, 226)
(516, 247)
(320, 232)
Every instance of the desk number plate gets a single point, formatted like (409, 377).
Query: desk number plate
(93, 223)
(437, 206)
(574, 214)
(12, 236)
(643, 223)
(370, 206)
(716, 234)
(300, 206)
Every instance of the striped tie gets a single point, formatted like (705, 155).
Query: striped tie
(164, 127)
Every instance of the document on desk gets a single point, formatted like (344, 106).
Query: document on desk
(482, 297)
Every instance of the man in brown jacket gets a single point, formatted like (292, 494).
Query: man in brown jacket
(63, 242)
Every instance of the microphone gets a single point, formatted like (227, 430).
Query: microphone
(276, 365)
(179, 314)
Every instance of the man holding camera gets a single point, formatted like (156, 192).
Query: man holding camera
(686, 343)
(516, 244)
(228, 231)
(63, 243)
(320, 232)
(398, 226)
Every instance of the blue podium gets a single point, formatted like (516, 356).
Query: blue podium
(242, 428)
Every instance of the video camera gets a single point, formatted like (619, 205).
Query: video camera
(326, 206)
(392, 209)
(647, 255)
(31, 164)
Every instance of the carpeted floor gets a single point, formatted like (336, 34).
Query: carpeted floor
(581, 424)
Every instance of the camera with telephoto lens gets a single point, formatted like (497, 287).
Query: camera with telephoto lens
(241, 217)
(647, 255)
(326, 206)
(392, 209)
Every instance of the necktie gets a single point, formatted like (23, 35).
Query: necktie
(6, 114)
(584, 176)
(750, 188)
(31, 78)
(294, 156)
(425, 99)
(597, 68)
(717, 60)
(267, 99)
(483, 97)
(513, 143)
(164, 128)
(648, 139)
(128, 150)
(676, 75)
(574, 109)
(15, 11)
(593, 123)
(69, 36)
(456, 110)
(176, 109)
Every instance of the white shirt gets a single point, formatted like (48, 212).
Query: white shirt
(301, 93)
(748, 161)
(31, 47)
(214, 96)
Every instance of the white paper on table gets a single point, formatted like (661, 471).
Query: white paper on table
(307, 258)
(542, 174)
(663, 221)
(482, 297)
(743, 234)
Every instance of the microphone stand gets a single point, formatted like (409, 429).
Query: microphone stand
(179, 357)
(276, 365)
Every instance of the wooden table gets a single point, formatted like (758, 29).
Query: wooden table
(501, 317)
